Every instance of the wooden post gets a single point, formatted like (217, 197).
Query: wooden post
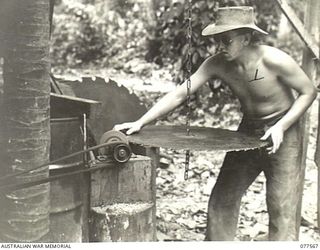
(308, 65)
(301, 30)
(317, 153)
(317, 161)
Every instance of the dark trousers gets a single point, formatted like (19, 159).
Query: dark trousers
(240, 169)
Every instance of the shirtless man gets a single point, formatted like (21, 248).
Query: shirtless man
(263, 78)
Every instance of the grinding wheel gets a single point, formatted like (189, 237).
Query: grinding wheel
(119, 148)
(200, 138)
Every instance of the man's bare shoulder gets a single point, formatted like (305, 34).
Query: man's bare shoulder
(216, 59)
(216, 63)
(276, 59)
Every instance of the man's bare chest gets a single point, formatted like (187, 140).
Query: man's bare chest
(257, 83)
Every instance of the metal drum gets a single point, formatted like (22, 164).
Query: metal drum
(66, 138)
(66, 199)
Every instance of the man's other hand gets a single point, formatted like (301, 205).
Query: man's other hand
(276, 133)
(129, 127)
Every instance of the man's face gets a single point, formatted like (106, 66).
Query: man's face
(230, 43)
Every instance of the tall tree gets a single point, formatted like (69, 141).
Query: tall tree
(26, 119)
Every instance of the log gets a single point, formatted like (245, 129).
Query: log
(131, 182)
(122, 222)
(123, 202)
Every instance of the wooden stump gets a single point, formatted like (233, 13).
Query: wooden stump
(130, 182)
(123, 202)
(123, 222)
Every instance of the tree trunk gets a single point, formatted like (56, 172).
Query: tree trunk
(26, 119)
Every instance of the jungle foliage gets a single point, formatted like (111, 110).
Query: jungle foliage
(86, 33)
(113, 33)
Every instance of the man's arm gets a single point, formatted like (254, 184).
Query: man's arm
(290, 74)
(170, 100)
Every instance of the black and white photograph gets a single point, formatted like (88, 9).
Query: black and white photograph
(159, 122)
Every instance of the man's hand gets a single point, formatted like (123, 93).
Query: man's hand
(276, 132)
(129, 127)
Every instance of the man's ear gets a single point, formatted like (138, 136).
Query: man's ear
(247, 39)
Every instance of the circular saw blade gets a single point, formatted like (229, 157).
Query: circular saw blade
(118, 105)
(200, 139)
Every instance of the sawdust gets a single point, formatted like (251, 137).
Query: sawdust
(123, 208)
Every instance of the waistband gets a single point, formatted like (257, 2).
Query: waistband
(258, 122)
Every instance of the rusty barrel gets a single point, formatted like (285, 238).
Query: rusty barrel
(66, 199)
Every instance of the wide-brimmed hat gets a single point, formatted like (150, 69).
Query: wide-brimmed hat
(231, 18)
